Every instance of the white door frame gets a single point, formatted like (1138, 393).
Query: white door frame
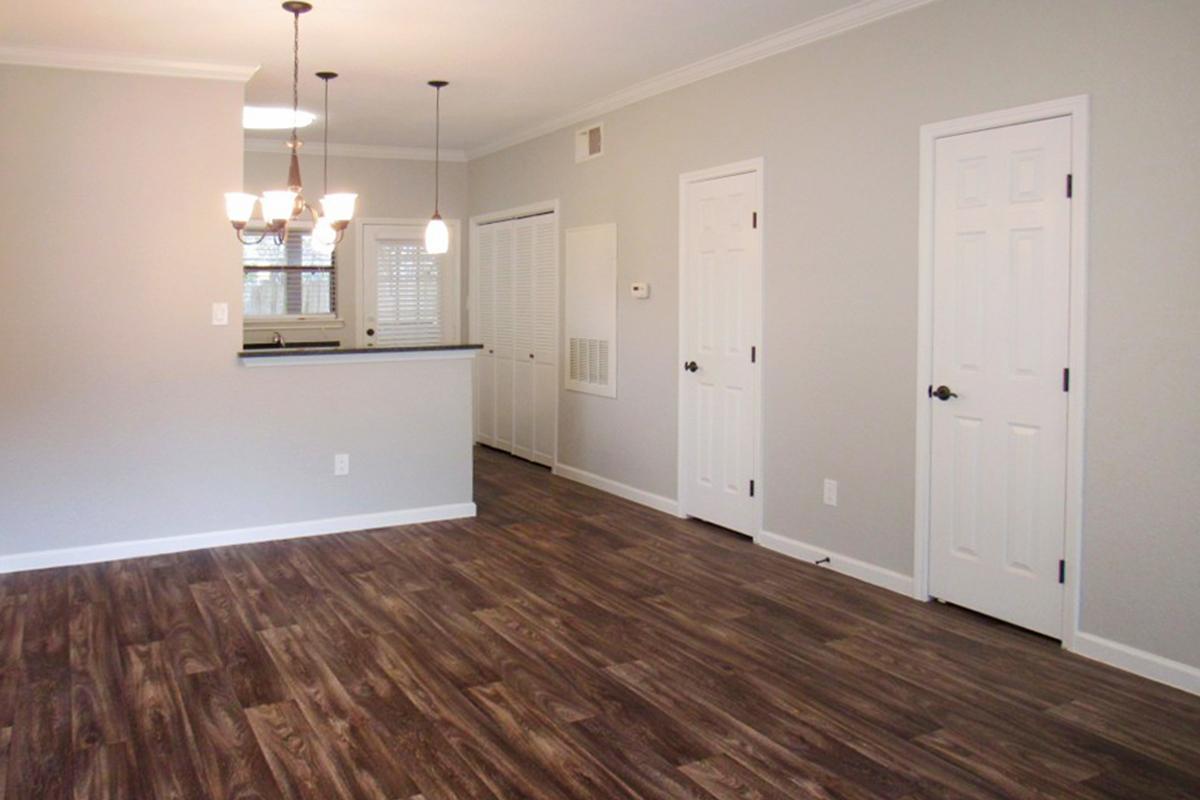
(454, 257)
(1077, 108)
(474, 222)
(752, 165)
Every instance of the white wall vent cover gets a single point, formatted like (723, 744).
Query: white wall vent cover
(591, 310)
(589, 142)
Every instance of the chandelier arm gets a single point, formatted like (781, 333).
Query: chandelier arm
(241, 237)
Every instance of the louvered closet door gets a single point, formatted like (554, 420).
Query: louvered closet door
(545, 337)
(485, 333)
(503, 316)
(523, 355)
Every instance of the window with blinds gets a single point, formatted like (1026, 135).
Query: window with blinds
(288, 280)
(409, 294)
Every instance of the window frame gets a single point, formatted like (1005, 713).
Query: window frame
(292, 320)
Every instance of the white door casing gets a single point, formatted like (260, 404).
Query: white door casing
(720, 331)
(1000, 328)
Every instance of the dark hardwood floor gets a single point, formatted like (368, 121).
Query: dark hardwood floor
(564, 644)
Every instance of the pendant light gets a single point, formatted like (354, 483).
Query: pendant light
(324, 236)
(280, 208)
(437, 235)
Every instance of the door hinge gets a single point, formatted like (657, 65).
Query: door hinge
(1070, 184)
(752, 487)
(754, 220)
(1066, 379)
(753, 354)
(1062, 571)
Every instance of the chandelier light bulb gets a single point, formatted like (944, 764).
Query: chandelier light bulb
(437, 237)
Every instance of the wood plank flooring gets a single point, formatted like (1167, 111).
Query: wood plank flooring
(564, 644)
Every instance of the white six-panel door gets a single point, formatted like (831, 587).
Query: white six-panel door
(1001, 284)
(720, 309)
(515, 317)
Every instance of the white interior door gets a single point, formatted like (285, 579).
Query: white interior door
(410, 298)
(720, 309)
(505, 333)
(523, 355)
(545, 338)
(1001, 280)
(483, 323)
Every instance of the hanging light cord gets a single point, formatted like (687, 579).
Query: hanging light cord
(437, 149)
(326, 145)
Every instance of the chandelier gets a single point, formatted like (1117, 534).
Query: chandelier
(280, 208)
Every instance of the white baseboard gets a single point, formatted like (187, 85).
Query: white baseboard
(113, 551)
(846, 565)
(1139, 662)
(655, 501)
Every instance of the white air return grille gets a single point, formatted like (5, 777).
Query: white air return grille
(590, 310)
(589, 142)
(589, 361)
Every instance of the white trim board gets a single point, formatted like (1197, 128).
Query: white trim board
(113, 551)
(1139, 662)
(279, 147)
(855, 16)
(639, 496)
(1078, 109)
(854, 568)
(117, 62)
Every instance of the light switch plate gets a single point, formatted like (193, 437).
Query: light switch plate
(220, 313)
(830, 493)
(640, 290)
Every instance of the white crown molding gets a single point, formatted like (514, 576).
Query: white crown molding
(115, 62)
(855, 16)
(355, 150)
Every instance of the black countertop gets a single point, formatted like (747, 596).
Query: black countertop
(276, 352)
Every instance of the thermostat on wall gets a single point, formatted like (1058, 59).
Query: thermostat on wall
(640, 290)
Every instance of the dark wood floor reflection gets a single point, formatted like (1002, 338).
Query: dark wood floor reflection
(564, 644)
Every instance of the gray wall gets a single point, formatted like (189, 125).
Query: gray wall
(837, 122)
(387, 188)
(126, 415)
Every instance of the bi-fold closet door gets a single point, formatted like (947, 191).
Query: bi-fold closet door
(516, 319)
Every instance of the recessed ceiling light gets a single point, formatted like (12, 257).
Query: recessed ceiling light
(262, 118)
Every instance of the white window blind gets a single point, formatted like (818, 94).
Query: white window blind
(409, 290)
(289, 279)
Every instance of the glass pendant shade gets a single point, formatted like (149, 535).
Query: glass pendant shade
(324, 237)
(239, 207)
(278, 205)
(437, 237)
(339, 207)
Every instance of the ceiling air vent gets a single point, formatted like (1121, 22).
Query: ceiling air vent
(589, 142)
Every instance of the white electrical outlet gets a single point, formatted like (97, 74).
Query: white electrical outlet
(830, 492)
(220, 313)
(341, 464)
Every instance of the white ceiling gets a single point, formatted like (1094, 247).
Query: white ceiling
(512, 64)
